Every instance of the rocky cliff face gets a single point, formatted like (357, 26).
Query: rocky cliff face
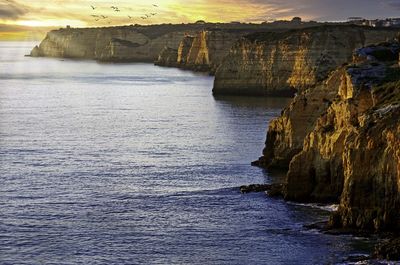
(286, 133)
(168, 56)
(144, 43)
(342, 141)
(106, 44)
(204, 50)
(281, 63)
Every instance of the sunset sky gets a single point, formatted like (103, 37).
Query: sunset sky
(21, 19)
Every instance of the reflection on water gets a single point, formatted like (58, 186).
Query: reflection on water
(137, 164)
(254, 102)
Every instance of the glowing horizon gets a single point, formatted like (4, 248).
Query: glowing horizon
(99, 13)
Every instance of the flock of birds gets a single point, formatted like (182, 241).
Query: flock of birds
(117, 9)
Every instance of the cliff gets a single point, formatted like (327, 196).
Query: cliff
(341, 140)
(281, 63)
(142, 43)
(204, 50)
(106, 44)
(168, 56)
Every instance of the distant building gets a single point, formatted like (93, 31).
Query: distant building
(357, 21)
(355, 18)
(378, 23)
(395, 22)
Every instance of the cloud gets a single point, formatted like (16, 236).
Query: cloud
(78, 13)
(394, 3)
(11, 10)
(331, 10)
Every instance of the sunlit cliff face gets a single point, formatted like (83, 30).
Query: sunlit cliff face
(98, 13)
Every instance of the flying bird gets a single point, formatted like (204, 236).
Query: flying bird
(93, 7)
(155, 5)
(153, 14)
(116, 9)
(104, 17)
(130, 17)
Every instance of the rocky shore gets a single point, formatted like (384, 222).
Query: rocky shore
(341, 142)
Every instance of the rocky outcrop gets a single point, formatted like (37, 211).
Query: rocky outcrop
(184, 49)
(286, 133)
(371, 165)
(282, 63)
(342, 141)
(272, 190)
(168, 57)
(204, 50)
(389, 250)
(106, 44)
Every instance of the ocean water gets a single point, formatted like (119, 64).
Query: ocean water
(138, 164)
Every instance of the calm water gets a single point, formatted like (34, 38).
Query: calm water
(136, 164)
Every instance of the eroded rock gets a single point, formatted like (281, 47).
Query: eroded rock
(347, 131)
(389, 250)
(281, 63)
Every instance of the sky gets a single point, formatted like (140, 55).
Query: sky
(32, 18)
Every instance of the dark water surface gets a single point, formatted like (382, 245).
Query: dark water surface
(137, 164)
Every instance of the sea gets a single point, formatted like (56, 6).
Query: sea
(132, 163)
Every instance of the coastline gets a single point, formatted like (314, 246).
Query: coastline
(295, 172)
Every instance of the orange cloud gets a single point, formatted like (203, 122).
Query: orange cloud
(79, 13)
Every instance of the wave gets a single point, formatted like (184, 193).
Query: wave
(325, 207)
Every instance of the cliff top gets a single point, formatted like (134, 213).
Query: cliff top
(154, 31)
(272, 36)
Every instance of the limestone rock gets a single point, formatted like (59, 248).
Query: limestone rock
(389, 250)
(286, 133)
(184, 49)
(342, 141)
(204, 50)
(108, 44)
(272, 190)
(254, 188)
(35, 52)
(280, 63)
(168, 57)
